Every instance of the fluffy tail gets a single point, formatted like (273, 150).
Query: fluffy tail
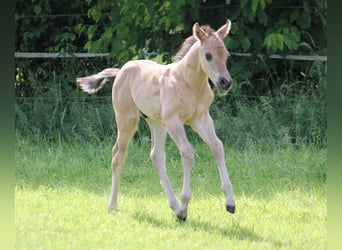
(93, 83)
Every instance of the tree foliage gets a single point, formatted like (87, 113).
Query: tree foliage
(132, 29)
(129, 28)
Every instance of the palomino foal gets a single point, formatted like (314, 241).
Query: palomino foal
(170, 96)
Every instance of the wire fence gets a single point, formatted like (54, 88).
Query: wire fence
(48, 55)
(73, 114)
(90, 55)
(202, 7)
(109, 97)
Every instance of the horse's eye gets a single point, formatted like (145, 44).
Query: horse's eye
(208, 56)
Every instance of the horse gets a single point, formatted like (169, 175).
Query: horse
(170, 97)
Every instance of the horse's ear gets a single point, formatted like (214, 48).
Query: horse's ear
(198, 32)
(224, 30)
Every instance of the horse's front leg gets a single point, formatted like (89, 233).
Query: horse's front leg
(176, 130)
(158, 136)
(205, 128)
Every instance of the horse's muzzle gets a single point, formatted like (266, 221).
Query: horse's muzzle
(224, 84)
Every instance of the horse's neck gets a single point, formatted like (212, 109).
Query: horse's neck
(191, 67)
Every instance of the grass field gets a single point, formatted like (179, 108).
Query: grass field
(62, 192)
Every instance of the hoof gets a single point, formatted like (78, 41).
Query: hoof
(111, 209)
(182, 215)
(181, 218)
(230, 209)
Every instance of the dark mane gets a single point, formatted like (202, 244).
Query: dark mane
(187, 44)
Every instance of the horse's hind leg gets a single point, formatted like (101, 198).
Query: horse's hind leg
(127, 124)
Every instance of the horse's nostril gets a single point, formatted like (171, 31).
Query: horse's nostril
(224, 83)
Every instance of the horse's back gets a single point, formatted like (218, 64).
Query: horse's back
(140, 67)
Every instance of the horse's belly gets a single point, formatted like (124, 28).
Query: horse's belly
(146, 95)
(150, 108)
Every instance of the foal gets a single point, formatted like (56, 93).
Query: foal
(170, 96)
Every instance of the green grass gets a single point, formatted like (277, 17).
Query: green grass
(62, 192)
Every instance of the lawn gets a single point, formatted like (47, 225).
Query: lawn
(62, 191)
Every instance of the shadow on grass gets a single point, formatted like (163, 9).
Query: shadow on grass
(236, 231)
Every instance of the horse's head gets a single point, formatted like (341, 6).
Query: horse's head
(213, 56)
